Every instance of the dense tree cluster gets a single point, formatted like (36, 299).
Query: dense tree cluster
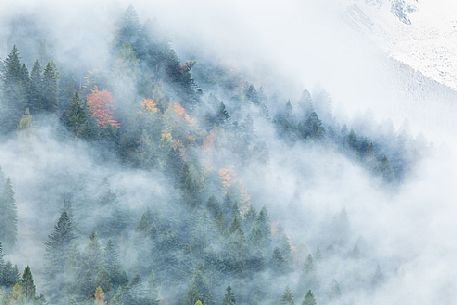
(224, 240)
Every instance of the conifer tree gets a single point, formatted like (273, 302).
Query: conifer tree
(309, 299)
(261, 232)
(58, 252)
(14, 89)
(278, 262)
(28, 285)
(50, 88)
(222, 115)
(10, 275)
(35, 102)
(229, 297)
(118, 277)
(198, 289)
(8, 216)
(309, 264)
(76, 118)
(2, 260)
(287, 298)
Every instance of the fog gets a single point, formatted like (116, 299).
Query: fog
(407, 227)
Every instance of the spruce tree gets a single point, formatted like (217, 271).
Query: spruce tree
(287, 298)
(2, 260)
(261, 233)
(118, 277)
(28, 285)
(58, 251)
(198, 289)
(8, 216)
(229, 297)
(35, 101)
(50, 88)
(10, 275)
(14, 90)
(309, 299)
(76, 118)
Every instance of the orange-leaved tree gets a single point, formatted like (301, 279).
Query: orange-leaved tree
(101, 107)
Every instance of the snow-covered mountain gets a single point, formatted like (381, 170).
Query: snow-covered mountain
(421, 34)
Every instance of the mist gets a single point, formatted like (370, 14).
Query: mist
(367, 191)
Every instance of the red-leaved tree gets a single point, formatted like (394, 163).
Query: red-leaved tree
(101, 107)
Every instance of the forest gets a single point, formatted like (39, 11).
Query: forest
(196, 126)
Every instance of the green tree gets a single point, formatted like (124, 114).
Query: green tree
(77, 119)
(309, 299)
(50, 88)
(28, 285)
(14, 90)
(198, 289)
(8, 216)
(287, 298)
(311, 127)
(309, 264)
(118, 277)
(229, 297)
(35, 90)
(10, 275)
(260, 235)
(57, 255)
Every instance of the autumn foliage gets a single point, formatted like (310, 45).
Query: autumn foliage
(149, 105)
(101, 107)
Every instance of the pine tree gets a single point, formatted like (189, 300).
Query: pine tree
(35, 102)
(309, 265)
(378, 277)
(278, 263)
(229, 297)
(10, 275)
(287, 298)
(58, 252)
(28, 285)
(76, 118)
(14, 89)
(50, 88)
(198, 289)
(309, 299)
(118, 277)
(8, 216)
(261, 232)
(222, 115)
(2, 260)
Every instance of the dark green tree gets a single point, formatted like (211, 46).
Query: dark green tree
(229, 297)
(57, 255)
(261, 232)
(8, 216)
(309, 299)
(28, 285)
(222, 115)
(118, 277)
(76, 118)
(198, 289)
(287, 298)
(50, 88)
(35, 90)
(311, 127)
(14, 90)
